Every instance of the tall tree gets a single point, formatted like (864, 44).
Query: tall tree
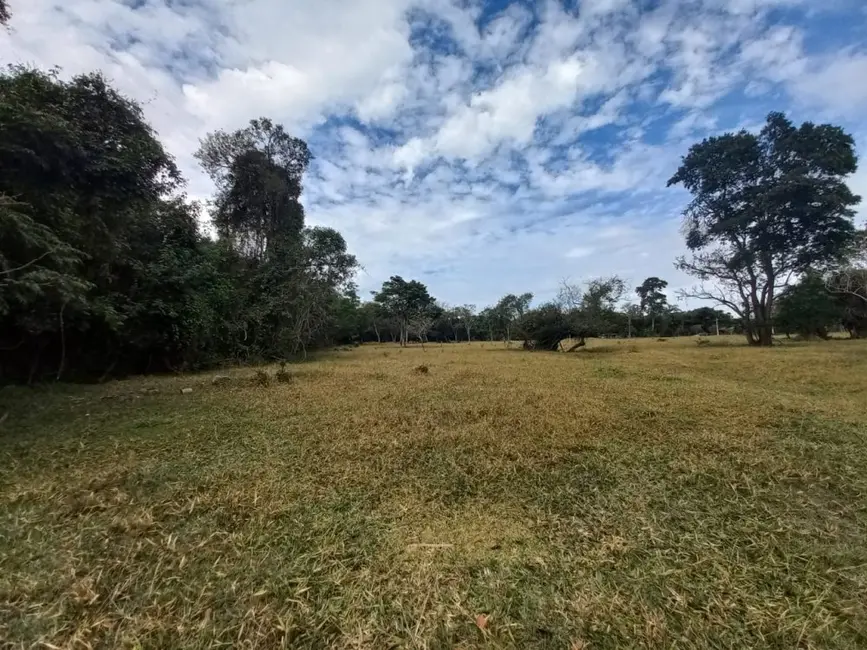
(652, 299)
(90, 181)
(406, 301)
(4, 13)
(258, 172)
(464, 316)
(509, 310)
(765, 207)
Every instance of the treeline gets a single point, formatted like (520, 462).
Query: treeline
(404, 311)
(104, 269)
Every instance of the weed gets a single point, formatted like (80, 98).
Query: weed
(261, 378)
(421, 370)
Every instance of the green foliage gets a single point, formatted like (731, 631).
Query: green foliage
(258, 172)
(808, 308)
(765, 206)
(103, 269)
(406, 302)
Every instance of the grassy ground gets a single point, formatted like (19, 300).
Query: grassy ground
(635, 494)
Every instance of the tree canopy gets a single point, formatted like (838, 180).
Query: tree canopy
(408, 302)
(103, 268)
(766, 207)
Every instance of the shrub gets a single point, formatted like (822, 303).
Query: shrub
(282, 376)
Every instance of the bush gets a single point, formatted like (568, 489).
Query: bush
(282, 376)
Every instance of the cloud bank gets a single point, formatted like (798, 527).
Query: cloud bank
(481, 147)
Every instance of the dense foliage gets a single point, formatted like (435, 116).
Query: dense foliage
(103, 267)
(766, 207)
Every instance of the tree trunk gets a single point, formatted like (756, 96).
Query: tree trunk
(653, 324)
(376, 330)
(581, 343)
(760, 333)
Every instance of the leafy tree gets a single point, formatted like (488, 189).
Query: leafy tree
(4, 13)
(405, 301)
(464, 316)
(652, 299)
(488, 321)
(808, 308)
(372, 318)
(765, 207)
(578, 313)
(89, 180)
(509, 310)
(103, 269)
(258, 172)
(849, 284)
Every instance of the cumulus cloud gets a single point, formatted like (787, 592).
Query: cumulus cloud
(483, 148)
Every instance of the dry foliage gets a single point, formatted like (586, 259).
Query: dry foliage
(680, 497)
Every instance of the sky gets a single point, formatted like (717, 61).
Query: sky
(482, 147)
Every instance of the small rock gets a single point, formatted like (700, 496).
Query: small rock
(186, 391)
(220, 379)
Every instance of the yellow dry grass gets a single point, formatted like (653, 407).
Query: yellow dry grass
(635, 494)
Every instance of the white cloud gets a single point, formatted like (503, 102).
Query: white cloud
(502, 152)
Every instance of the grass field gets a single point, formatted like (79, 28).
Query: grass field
(636, 494)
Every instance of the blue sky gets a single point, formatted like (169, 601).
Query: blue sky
(482, 147)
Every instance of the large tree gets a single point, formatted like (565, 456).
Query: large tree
(90, 183)
(407, 301)
(4, 12)
(652, 299)
(509, 311)
(258, 172)
(766, 207)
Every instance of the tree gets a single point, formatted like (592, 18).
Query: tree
(464, 315)
(4, 13)
(652, 299)
(405, 301)
(488, 320)
(258, 172)
(766, 207)
(579, 312)
(90, 182)
(808, 308)
(103, 269)
(371, 314)
(509, 310)
(849, 284)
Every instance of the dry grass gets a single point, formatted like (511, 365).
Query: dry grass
(635, 494)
